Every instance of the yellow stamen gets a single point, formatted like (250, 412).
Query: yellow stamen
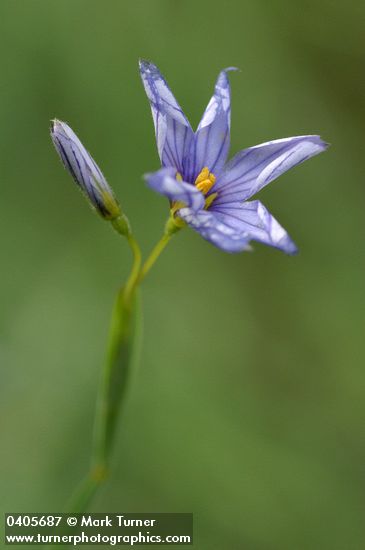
(204, 174)
(205, 181)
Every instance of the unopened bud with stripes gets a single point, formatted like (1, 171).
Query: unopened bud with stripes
(84, 170)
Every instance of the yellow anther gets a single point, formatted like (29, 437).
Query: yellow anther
(204, 186)
(204, 174)
(205, 181)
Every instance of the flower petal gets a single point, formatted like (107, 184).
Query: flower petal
(173, 131)
(213, 134)
(213, 229)
(259, 225)
(164, 182)
(253, 168)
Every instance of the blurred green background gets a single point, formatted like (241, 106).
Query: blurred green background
(248, 406)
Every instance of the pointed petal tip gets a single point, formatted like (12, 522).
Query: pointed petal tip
(323, 144)
(291, 249)
(285, 243)
(142, 62)
(147, 66)
(222, 80)
(54, 123)
(317, 140)
(229, 69)
(57, 124)
(58, 127)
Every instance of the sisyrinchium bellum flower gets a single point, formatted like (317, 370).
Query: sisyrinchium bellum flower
(206, 192)
(84, 170)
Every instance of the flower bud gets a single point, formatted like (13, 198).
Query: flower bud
(84, 170)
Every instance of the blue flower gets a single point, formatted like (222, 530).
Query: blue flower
(204, 190)
(84, 170)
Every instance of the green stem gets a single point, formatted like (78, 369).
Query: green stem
(134, 274)
(155, 253)
(112, 382)
(122, 226)
(118, 354)
(173, 225)
(116, 370)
